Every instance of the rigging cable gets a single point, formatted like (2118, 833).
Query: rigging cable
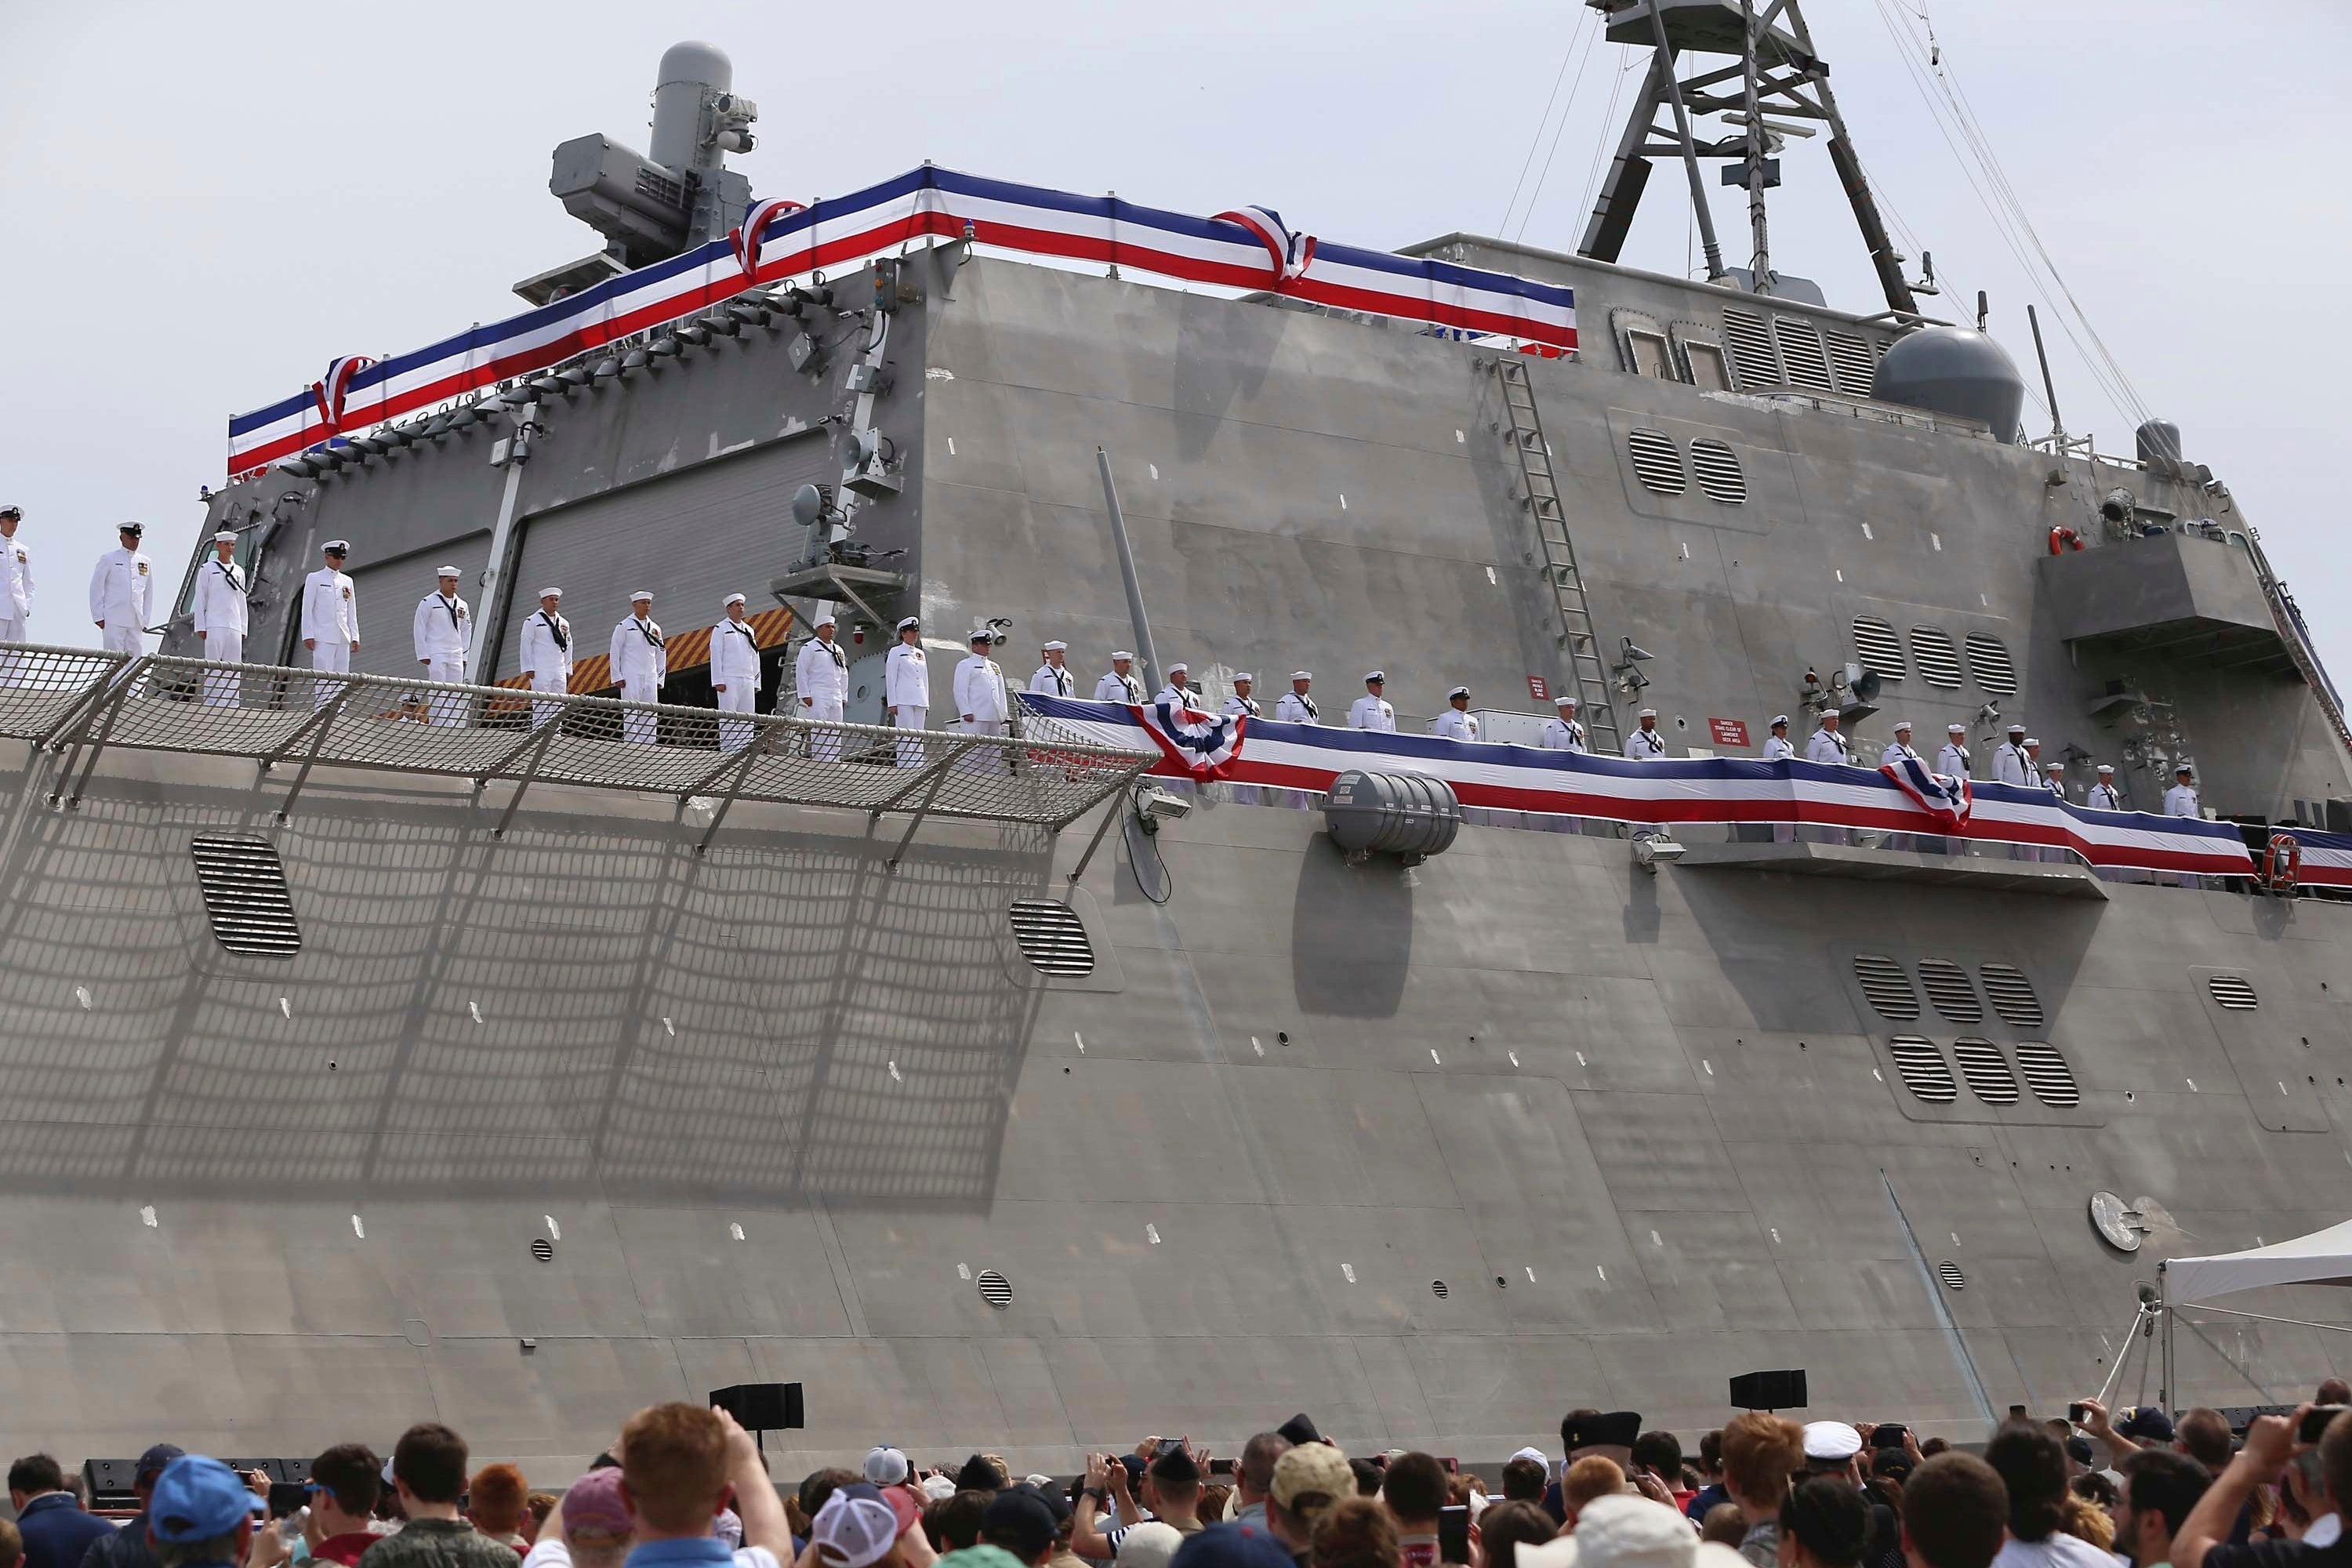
(1574, 88)
(1601, 143)
(1542, 120)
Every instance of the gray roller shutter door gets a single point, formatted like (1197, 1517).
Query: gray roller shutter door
(689, 537)
(387, 592)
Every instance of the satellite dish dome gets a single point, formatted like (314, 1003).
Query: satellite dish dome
(1952, 370)
(808, 505)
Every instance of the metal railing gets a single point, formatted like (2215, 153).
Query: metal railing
(80, 703)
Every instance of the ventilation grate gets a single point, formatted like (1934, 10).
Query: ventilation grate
(1950, 1273)
(1437, 1289)
(1888, 986)
(2234, 991)
(1923, 1069)
(1657, 461)
(995, 1288)
(1717, 468)
(1850, 358)
(245, 892)
(1938, 660)
(1948, 988)
(1987, 1071)
(542, 1250)
(1878, 648)
(1989, 662)
(1052, 937)
(2047, 1074)
(1801, 351)
(2013, 995)
(1752, 359)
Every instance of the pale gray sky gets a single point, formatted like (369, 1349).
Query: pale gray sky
(199, 206)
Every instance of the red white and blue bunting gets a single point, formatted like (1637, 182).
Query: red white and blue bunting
(1721, 789)
(1249, 248)
(1947, 799)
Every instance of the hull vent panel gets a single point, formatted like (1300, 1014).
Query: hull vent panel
(1989, 661)
(1052, 938)
(1987, 1071)
(1923, 1069)
(2234, 991)
(1717, 467)
(2047, 1074)
(1948, 988)
(1938, 660)
(1888, 986)
(1657, 461)
(245, 896)
(2013, 995)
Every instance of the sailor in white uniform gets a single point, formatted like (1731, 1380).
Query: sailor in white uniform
(1054, 677)
(638, 655)
(1371, 711)
(1952, 762)
(1779, 748)
(2180, 800)
(1297, 707)
(735, 673)
(330, 619)
(122, 592)
(547, 653)
(1899, 748)
(821, 676)
(220, 616)
(16, 577)
(1121, 685)
(2105, 796)
(2010, 764)
(443, 634)
(1564, 731)
(1178, 692)
(1826, 745)
(906, 690)
(1241, 704)
(983, 705)
(1646, 745)
(1457, 722)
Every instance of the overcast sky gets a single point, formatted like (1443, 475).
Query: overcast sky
(199, 206)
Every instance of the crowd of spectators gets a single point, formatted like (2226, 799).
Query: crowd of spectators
(683, 1487)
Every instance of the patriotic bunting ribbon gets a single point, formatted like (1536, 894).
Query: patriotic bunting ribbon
(330, 392)
(1947, 799)
(1292, 253)
(1199, 744)
(748, 238)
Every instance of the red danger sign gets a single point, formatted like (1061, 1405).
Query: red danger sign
(1728, 732)
(1538, 688)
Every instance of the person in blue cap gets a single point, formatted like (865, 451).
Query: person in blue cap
(200, 1514)
(127, 1547)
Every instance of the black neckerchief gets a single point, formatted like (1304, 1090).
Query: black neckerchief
(557, 630)
(1249, 704)
(1308, 703)
(228, 570)
(646, 630)
(742, 628)
(835, 649)
(1061, 679)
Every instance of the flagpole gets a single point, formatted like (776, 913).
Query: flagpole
(1144, 651)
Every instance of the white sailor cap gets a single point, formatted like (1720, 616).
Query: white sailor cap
(1566, 699)
(2054, 766)
(445, 572)
(1176, 664)
(2032, 741)
(1302, 674)
(550, 593)
(1244, 675)
(227, 534)
(1779, 720)
(825, 617)
(1647, 713)
(1901, 725)
(332, 546)
(641, 595)
(1457, 692)
(1058, 646)
(1379, 675)
(2017, 729)
(733, 599)
(1956, 729)
(909, 621)
(2106, 767)
(1830, 1440)
(1121, 653)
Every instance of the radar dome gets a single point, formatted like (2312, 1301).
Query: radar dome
(1951, 370)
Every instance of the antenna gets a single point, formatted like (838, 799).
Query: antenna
(2057, 426)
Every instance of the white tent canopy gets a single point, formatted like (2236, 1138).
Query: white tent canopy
(2322, 1258)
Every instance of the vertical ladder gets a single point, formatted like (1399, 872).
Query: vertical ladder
(1523, 428)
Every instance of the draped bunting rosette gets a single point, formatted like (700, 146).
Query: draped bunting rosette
(1947, 799)
(1199, 744)
(331, 390)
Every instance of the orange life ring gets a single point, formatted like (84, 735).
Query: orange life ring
(2283, 863)
(2062, 538)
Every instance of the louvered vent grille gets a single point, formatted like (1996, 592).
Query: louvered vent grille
(1938, 660)
(2234, 991)
(2013, 995)
(1717, 468)
(2047, 1074)
(1989, 662)
(1888, 986)
(1052, 937)
(1877, 647)
(995, 1288)
(1948, 988)
(1851, 357)
(1801, 351)
(1923, 1069)
(1657, 461)
(1752, 359)
(1987, 1071)
(245, 892)
(1950, 1273)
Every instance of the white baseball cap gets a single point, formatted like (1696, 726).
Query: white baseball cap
(886, 1466)
(854, 1531)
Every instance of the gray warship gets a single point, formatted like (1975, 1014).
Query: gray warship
(361, 1071)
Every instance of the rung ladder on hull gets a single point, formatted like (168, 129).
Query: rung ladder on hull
(1523, 428)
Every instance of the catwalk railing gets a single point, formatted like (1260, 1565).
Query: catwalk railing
(78, 704)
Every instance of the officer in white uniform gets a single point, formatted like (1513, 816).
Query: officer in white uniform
(442, 632)
(1457, 722)
(330, 619)
(1241, 704)
(220, 615)
(1054, 677)
(122, 590)
(1371, 711)
(2010, 764)
(2053, 779)
(547, 653)
(1899, 748)
(1952, 762)
(1178, 692)
(907, 688)
(1297, 707)
(983, 705)
(1778, 747)
(1121, 685)
(1646, 745)
(734, 673)
(2180, 800)
(2105, 796)
(1564, 731)
(638, 655)
(821, 676)
(16, 577)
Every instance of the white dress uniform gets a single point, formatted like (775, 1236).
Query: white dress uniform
(2104, 797)
(906, 687)
(1371, 712)
(980, 691)
(1827, 746)
(2010, 765)
(1895, 751)
(220, 616)
(1294, 709)
(1563, 735)
(16, 587)
(443, 635)
(821, 676)
(1779, 748)
(735, 664)
(1645, 746)
(331, 621)
(1240, 707)
(547, 655)
(1053, 681)
(639, 656)
(120, 590)
(1180, 698)
(1952, 762)
(1117, 687)
(2180, 800)
(1454, 724)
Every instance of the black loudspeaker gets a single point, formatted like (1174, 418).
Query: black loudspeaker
(761, 1406)
(1769, 1390)
(110, 1481)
